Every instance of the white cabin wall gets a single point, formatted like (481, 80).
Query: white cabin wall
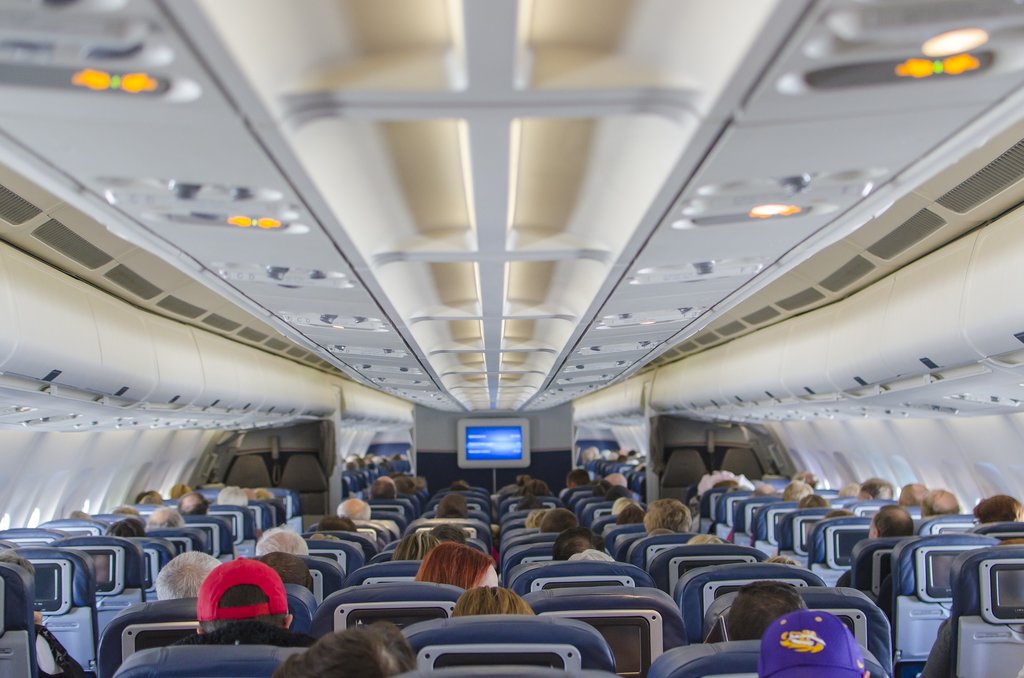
(57, 473)
(974, 457)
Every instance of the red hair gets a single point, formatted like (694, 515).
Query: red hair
(451, 563)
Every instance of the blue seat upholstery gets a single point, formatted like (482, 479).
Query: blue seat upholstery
(301, 605)
(17, 628)
(367, 545)
(222, 543)
(120, 572)
(985, 637)
(868, 508)
(29, 536)
(830, 550)
(76, 527)
(141, 626)
(156, 553)
(594, 510)
(402, 603)
(574, 573)
(735, 658)
(348, 555)
(612, 610)
(243, 527)
(708, 507)
(482, 516)
(524, 553)
(493, 640)
(791, 530)
(611, 533)
(184, 538)
(530, 537)
(502, 672)
(946, 524)
(668, 566)
(209, 661)
(267, 513)
(697, 589)
(404, 506)
(872, 563)
(643, 550)
(396, 570)
(327, 575)
(581, 505)
(65, 592)
(743, 518)
(510, 503)
(293, 505)
(998, 530)
(921, 595)
(474, 500)
(765, 528)
(723, 511)
(399, 519)
(599, 524)
(473, 528)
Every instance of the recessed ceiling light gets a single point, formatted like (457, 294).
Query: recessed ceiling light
(954, 42)
(368, 351)
(625, 347)
(334, 321)
(619, 320)
(769, 210)
(697, 270)
(284, 276)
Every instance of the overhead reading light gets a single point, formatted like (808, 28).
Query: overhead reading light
(337, 322)
(626, 347)
(389, 369)
(368, 351)
(285, 276)
(152, 191)
(131, 83)
(697, 270)
(585, 379)
(770, 210)
(603, 365)
(986, 399)
(618, 320)
(954, 42)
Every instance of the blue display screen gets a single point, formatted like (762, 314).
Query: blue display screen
(494, 443)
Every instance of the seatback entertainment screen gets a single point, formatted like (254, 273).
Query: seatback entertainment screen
(494, 443)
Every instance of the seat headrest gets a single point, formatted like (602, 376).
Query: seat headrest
(194, 535)
(608, 598)
(760, 527)
(301, 605)
(411, 592)
(248, 519)
(134, 559)
(214, 661)
(904, 571)
(722, 659)
(395, 569)
(227, 540)
(660, 567)
(861, 560)
(521, 630)
(534, 576)
(817, 547)
(355, 556)
(739, 510)
(784, 533)
(20, 535)
(158, 611)
(879, 631)
(1000, 530)
(83, 578)
(515, 555)
(966, 576)
(933, 524)
(636, 554)
(18, 595)
(76, 526)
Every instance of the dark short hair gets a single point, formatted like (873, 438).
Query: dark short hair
(336, 524)
(200, 507)
(243, 595)
(1000, 508)
(577, 477)
(375, 651)
(757, 605)
(452, 506)
(893, 521)
(617, 491)
(459, 485)
(575, 540)
(128, 527)
(291, 569)
(384, 488)
(558, 520)
(405, 485)
(601, 487)
(876, 488)
(449, 533)
(631, 515)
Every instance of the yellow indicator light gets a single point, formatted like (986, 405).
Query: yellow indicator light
(926, 68)
(773, 210)
(132, 83)
(91, 79)
(241, 222)
(953, 42)
(266, 223)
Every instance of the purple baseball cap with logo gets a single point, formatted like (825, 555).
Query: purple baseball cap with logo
(809, 644)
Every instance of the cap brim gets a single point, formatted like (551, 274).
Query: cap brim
(816, 672)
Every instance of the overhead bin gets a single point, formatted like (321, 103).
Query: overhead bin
(621, 401)
(804, 368)
(361, 404)
(993, 323)
(855, 325)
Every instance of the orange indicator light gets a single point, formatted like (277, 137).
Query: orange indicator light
(266, 223)
(773, 210)
(133, 83)
(91, 79)
(916, 68)
(241, 222)
(926, 68)
(961, 63)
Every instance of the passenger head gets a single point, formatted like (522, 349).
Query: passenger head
(383, 488)
(353, 508)
(415, 545)
(11, 557)
(849, 490)
(490, 600)
(149, 497)
(592, 554)
(616, 492)
(631, 515)
(125, 511)
(336, 524)
(178, 490)
(575, 540)
(616, 480)
(577, 477)
(600, 488)
(193, 504)
(405, 485)
(620, 505)
(939, 503)
(452, 533)
(129, 527)
(182, 577)
(164, 517)
(757, 605)
(810, 643)
(289, 568)
(912, 494)
(375, 651)
(528, 502)
(1000, 508)
(232, 496)
(262, 494)
(807, 477)
(242, 590)
(876, 488)
(728, 484)
(557, 520)
(459, 565)
(891, 521)
(797, 490)
(670, 514)
(536, 487)
(79, 515)
(813, 501)
(452, 506)
(764, 490)
(839, 513)
(705, 539)
(322, 536)
(533, 518)
(459, 486)
(783, 560)
(281, 539)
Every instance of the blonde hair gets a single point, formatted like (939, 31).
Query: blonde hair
(796, 491)
(620, 504)
(534, 518)
(705, 539)
(670, 514)
(490, 600)
(178, 490)
(415, 545)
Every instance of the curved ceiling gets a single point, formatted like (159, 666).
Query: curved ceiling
(501, 204)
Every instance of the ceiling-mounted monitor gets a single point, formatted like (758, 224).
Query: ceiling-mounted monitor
(494, 443)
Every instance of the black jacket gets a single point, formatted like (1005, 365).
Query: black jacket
(250, 633)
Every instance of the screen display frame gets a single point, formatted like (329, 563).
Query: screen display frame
(833, 558)
(676, 563)
(648, 620)
(444, 608)
(63, 598)
(921, 570)
(991, 611)
(132, 632)
(115, 566)
(523, 461)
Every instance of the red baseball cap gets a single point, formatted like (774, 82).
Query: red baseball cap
(236, 573)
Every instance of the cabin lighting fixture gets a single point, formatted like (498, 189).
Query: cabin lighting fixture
(284, 276)
(770, 210)
(626, 347)
(99, 81)
(618, 320)
(368, 351)
(697, 270)
(954, 42)
(334, 321)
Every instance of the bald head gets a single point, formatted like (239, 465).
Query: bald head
(939, 503)
(356, 509)
(616, 480)
(912, 494)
